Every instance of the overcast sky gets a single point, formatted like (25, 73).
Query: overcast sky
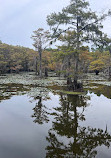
(19, 18)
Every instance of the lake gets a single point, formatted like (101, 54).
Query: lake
(38, 119)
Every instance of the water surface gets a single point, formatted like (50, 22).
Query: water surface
(52, 124)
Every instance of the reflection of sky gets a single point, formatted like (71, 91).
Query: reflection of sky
(98, 114)
(19, 18)
(19, 136)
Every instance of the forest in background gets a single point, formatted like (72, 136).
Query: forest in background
(15, 59)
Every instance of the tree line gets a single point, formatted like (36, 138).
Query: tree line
(60, 60)
(15, 59)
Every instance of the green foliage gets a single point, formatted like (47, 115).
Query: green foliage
(96, 65)
(103, 43)
(99, 61)
(81, 24)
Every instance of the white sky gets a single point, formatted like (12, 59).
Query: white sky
(19, 18)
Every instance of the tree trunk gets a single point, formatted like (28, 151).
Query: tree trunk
(46, 72)
(36, 66)
(97, 72)
(76, 85)
(40, 65)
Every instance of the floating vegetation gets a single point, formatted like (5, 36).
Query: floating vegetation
(27, 83)
(30, 79)
(90, 87)
(93, 77)
(30, 84)
(73, 93)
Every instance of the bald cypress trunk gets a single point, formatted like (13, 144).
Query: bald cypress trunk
(75, 85)
(40, 62)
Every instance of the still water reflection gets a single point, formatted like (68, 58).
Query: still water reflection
(57, 126)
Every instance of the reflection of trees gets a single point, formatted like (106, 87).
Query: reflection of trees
(40, 112)
(82, 140)
(68, 115)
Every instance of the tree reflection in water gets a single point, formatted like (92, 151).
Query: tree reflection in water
(67, 138)
(82, 141)
(40, 112)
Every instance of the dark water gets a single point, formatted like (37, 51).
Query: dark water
(58, 126)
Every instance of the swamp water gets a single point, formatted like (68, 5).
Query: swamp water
(38, 119)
